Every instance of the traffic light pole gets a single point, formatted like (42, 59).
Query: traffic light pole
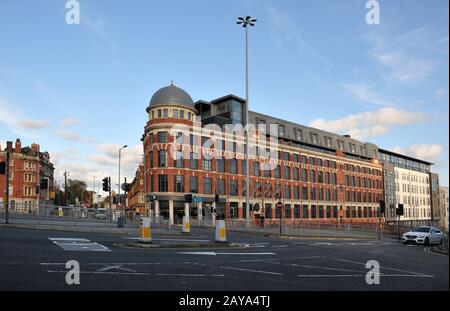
(7, 189)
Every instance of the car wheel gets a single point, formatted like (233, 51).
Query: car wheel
(427, 241)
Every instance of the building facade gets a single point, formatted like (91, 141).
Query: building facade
(318, 176)
(443, 207)
(136, 200)
(24, 177)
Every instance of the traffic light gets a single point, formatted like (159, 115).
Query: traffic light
(106, 184)
(400, 210)
(188, 198)
(216, 198)
(2, 168)
(44, 184)
(382, 206)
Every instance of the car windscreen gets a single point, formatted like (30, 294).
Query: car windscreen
(421, 229)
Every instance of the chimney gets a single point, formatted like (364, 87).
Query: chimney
(9, 147)
(347, 135)
(18, 146)
(35, 147)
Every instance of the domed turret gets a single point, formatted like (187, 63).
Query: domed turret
(171, 95)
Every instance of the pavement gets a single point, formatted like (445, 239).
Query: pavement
(36, 260)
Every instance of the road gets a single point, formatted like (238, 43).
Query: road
(35, 260)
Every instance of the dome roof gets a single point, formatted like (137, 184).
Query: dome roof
(171, 95)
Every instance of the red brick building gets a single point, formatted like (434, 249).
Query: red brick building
(24, 175)
(319, 176)
(136, 194)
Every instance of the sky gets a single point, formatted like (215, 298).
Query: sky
(80, 90)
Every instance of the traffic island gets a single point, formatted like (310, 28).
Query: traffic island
(158, 245)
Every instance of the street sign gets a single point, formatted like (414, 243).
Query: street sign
(197, 199)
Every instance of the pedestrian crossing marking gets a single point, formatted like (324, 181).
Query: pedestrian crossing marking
(79, 244)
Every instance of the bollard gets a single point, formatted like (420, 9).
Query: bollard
(186, 225)
(221, 233)
(145, 235)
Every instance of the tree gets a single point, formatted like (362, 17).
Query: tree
(75, 189)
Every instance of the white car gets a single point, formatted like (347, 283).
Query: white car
(423, 235)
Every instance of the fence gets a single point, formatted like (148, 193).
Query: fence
(19, 211)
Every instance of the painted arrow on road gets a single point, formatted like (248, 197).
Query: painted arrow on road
(215, 253)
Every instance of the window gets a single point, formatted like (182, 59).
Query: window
(296, 193)
(287, 172)
(178, 183)
(163, 137)
(221, 186)
(304, 159)
(165, 113)
(328, 141)
(193, 161)
(305, 193)
(163, 183)
(341, 144)
(296, 174)
(175, 113)
(299, 134)
(233, 166)
(267, 170)
(312, 161)
(277, 172)
(352, 148)
(319, 177)
(162, 158)
(193, 184)
(280, 130)
(295, 157)
(233, 187)
(256, 168)
(304, 175)
(314, 138)
(287, 191)
(206, 164)
(207, 185)
(220, 165)
(312, 176)
(286, 156)
(178, 161)
(159, 113)
(181, 114)
(313, 193)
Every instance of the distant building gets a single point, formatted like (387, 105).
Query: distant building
(136, 194)
(407, 181)
(46, 171)
(443, 208)
(24, 175)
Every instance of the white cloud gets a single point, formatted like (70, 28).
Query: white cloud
(70, 121)
(365, 93)
(440, 94)
(69, 135)
(369, 123)
(33, 124)
(427, 152)
(403, 55)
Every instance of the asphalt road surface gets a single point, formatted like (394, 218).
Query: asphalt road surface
(36, 260)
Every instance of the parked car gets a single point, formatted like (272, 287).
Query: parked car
(100, 213)
(423, 235)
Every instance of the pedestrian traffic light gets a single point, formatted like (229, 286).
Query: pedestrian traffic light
(106, 184)
(188, 198)
(44, 184)
(400, 210)
(3, 168)
(382, 206)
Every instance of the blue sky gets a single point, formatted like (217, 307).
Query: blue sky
(80, 91)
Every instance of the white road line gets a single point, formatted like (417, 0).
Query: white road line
(216, 253)
(100, 272)
(320, 268)
(69, 239)
(359, 275)
(77, 244)
(383, 267)
(279, 246)
(250, 270)
(164, 239)
(187, 274)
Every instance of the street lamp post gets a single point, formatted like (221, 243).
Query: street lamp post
(120, 150)
(245, 22)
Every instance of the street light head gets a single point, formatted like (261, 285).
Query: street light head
(125, 146)
(238, 22)
(247, 18)
(240, 18)
(251, 24)
(253, 20)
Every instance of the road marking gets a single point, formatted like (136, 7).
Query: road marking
(77, 244)
(216, 253)
(250, 270)
(186, 274)
(383, 267)
(279, 246)
(359, 275)
(164, 239)
(320, 268)
(101, 272)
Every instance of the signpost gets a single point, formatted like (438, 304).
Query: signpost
(280, 205)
